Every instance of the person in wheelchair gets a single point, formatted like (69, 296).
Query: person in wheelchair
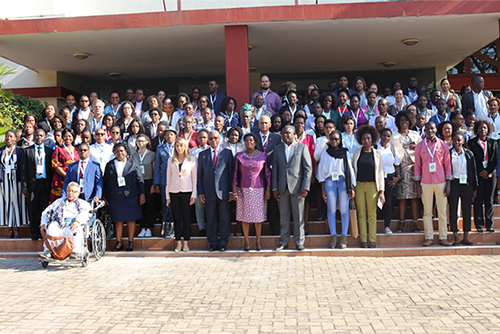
(65, 217)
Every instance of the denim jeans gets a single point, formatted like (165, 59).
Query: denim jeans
(337, 190)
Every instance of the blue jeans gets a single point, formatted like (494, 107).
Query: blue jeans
(337, 190)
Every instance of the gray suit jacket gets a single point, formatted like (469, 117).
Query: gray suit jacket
(295, 174)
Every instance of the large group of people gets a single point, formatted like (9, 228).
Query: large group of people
(273, 158)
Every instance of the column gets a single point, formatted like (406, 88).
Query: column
(237, 77)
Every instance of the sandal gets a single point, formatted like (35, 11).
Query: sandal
(10, 234)
(401, 227)
(16, 234)
(416, 229)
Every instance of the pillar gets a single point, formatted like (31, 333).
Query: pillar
(439, 74)
(237, 76)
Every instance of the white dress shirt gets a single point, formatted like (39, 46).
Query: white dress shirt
(102, 154)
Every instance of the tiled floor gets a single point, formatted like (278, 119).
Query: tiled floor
(453, 294)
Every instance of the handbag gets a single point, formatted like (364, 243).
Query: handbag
(353, 219)
(63, 249)
(167, 227)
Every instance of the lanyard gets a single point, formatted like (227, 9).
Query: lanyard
(144, 155)
(212, 100)
(428, 150)
(8, 156)
(265, 94)
(119, 167)
(72, 154)
(342, 110)
(301, 137)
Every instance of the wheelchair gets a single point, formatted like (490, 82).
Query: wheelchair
(94, 239)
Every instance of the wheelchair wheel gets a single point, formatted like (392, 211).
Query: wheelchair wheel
(98, 239)
(45, 264)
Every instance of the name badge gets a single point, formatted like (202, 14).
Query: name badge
(82, 183)
(143, 171)
(485, 164)
(495, 136)
(39, 169)
(335, 177)
(463, 179)
(8, 169)
(385, 174)
(121, 182)
(432, 167)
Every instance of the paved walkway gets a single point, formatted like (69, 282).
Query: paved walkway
(452, 294)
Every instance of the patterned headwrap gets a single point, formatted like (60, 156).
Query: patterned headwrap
(247, 109)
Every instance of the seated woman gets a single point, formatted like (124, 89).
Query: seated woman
(68, 216)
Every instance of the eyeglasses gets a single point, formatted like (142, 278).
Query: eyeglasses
(115, 132)
(335, 139)
(85, 101)
(82, 150)
(72, 191)
(98, 134)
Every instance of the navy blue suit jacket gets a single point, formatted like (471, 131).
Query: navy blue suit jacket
(92, 179)
(218, 102)
(273, 141)
(215, 182)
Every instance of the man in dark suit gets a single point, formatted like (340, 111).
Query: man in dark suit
(215, 97)
(291, 179)
(36, 176)
(267, 142)
(477, 99)
(86, 173)
(140, 105)
(215, 176)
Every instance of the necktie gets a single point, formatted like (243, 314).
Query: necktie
(264, 142)
(82, 169)
(39, 156)
(215, 157)
(483, 144)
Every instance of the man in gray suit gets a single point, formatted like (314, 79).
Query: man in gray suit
(291, 178)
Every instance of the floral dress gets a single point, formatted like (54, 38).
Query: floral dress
(61, 158)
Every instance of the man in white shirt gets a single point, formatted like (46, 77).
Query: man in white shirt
(101, 152)
(71, 103)
(96, 120)
(390, 123)
(140, 104)
(85, 112)
(477, 99)
(412, 92)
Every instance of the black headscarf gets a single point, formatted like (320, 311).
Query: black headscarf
(341, 153)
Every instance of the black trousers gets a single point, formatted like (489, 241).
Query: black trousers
(179, 203)
(38, 201)
(148, 209)
(464, 192)
(485, 193)
(389, 196)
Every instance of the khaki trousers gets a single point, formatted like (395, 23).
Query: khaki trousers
(428, 192)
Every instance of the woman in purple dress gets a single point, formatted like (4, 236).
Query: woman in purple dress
(251, 188)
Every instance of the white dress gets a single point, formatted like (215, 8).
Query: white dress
(13, 208)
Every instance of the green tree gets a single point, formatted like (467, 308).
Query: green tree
(5, 70)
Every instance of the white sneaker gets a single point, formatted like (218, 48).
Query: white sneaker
(388, 230)
(148, 234)
(142, 234)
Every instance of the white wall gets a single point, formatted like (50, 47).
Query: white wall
(25, 9)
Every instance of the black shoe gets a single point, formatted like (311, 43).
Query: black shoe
(203, 233)
(498, 242)
(468, 243)
(35, 237)
(130, 246)
(479, 229)
(118, 247)
(490, 229)
(364, 245)
(300, 248)
(212, 248)
(281, 247)
(222, 248)
(372, 245)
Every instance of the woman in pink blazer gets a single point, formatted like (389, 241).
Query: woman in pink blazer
(181, 190)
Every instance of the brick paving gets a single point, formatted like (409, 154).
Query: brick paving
(453, 294)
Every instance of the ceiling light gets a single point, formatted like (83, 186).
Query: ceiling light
(410, 41)
(389, 64)
(250, 47)
(115, 74)
(252, 69)
(81, 55)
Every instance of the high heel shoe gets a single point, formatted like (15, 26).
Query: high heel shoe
(185, 248)
(16, 234)
(118, 247)
(10, 234)
(130, 246)
(178, 248)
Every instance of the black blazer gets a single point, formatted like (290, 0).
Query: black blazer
(134, 183)
(28, 167)
(468, 100)
(273, 141)
(44, 124)
(19, 154)
(472, 178)
(492, 146)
